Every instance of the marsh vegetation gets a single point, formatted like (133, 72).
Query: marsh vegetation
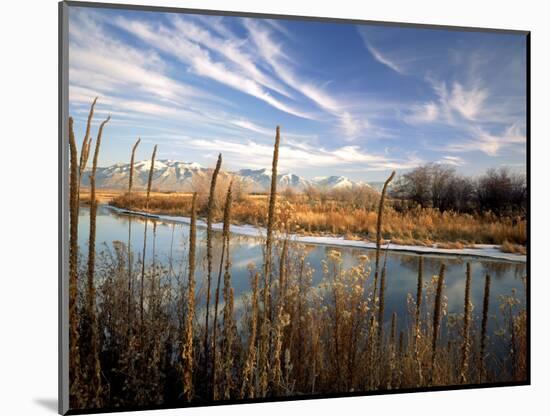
(151, 330)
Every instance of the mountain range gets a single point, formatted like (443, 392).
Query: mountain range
(177, 176)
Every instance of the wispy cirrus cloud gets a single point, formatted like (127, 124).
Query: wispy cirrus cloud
(378, 55)
(422, 113)
(272, 52)
(490, 143)
(383, 59)
(297, 156)
(200, 60)
(342, 97)
(452, 160)
(459, 100)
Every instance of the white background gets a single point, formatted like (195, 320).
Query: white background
(28, 204)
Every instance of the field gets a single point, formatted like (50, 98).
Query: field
(421, 226)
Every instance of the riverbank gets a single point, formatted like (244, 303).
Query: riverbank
(475, 250)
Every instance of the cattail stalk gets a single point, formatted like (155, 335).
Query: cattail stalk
(484, 318)
(392, 350)
(74, 366)
(228, 323)
(271, 209)
(187, 354)
(418, 307)
(91, 301)
(84, 152)
(382, 301)
(209, 218)
(131, 179)
(85, 149)
(278, 338)
(466, 329)
(393, 331)
(247, 387)
(379, 223)
(417, 323)
(225, 243)
(129, 245)
(141, 292)
(437, 317)
(264, 346)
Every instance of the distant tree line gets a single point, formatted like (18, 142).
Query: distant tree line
(499, 191)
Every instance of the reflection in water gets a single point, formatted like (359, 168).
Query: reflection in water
(170, 244)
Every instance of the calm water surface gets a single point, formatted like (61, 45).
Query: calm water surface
(170, 242)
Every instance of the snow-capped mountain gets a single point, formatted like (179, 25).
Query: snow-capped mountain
(259, 180)
(334, 182)
(173, 175)
(169, 175)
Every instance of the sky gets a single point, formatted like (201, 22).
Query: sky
(352, 100)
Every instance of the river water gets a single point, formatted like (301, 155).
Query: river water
(169, 243)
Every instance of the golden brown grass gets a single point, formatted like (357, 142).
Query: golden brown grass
(417, 227)
(508, 247)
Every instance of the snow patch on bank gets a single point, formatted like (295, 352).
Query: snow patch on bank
(480, 250)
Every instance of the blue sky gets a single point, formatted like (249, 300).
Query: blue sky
(352, 100)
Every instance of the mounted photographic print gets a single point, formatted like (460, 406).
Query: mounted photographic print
(259, 208)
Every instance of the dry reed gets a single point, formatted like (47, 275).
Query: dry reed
(229, 330)
(129, 244)
(74, 362)
(187, 353)
(225, 245)
(91, 313)
(142, 282)
(379, 229)
(131, 178)
(437, 320)
(209, 218)
(464, 367)
(86, 143)
(264, 338)
(483, 339)
(247, 386)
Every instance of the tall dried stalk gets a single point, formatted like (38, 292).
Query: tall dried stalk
(417, 321)
(91, 296)
(85, 150)
(74, 361)
(149, 184)
(418, 306)
(225, 243)
(129, 245)
(382, 300)
(392, 351)
(228, 323)
(279, 325)
(187, 353)
(86, 146)
(271, 209)
(379, 230)
(466, 328)
(483, 340)
(247, 387)
(209, 217)
(131, 179)
(437, 318)
(264, 345)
